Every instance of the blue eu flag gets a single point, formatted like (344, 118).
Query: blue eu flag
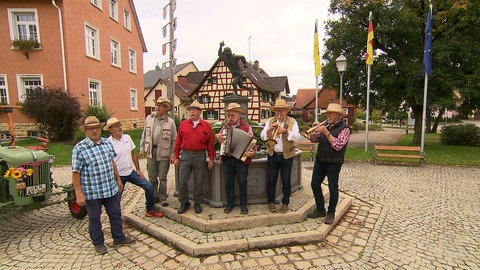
(427, 51)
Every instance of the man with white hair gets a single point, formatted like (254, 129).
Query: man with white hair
(125, 159)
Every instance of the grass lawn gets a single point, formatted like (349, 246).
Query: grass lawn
(435, 152)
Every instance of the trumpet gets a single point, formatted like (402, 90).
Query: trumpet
(307, 132)
(272, 141)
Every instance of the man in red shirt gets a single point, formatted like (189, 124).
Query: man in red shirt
(194, 140)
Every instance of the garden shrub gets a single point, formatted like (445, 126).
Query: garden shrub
(55, 111)
(468, 134)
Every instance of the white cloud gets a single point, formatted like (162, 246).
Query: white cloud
(281, 31)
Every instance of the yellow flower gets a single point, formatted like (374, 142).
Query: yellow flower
(7, 174)
(16, 174)
(29, 172)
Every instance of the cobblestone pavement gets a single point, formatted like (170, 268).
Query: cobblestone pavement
(403, 217)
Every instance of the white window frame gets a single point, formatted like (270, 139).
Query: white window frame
(14, 34)
(127, 20)
(22, 89)
(4, 89)
(211, 115)
(115, 52)
(98, 92)
(133, 99)
(97, 3)
(113, 9)
(92, 41)
(132, 60)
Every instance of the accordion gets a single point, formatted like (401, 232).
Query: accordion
(237, 142)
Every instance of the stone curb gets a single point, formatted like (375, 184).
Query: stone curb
(278, 240)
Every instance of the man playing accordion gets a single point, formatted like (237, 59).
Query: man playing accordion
(232, 166)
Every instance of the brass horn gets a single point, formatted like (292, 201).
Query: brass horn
(307, 132)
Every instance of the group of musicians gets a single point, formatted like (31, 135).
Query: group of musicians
(195, 139)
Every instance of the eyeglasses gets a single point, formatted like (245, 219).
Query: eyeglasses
(92, 128)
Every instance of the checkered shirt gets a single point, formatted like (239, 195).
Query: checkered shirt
(94, 163)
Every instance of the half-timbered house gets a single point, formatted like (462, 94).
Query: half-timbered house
(216, 85)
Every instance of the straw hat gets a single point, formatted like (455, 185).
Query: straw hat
(335, 108)
(91, 121)
(235, 107)
(195, 104)
(280, 104)
(164, 101)
(110, 122)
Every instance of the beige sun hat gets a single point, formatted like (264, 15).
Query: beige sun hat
(195, 104)
(164, 101)
(91, 121)
(335, 108)
(110, 122)
(280, 104)
(236, 108)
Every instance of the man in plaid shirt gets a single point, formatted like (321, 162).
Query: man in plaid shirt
(332, 144)
(96, 182)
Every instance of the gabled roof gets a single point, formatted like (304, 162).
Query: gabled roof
(305, 99)
(261, 81)
(189, 84)
(182, 92)
(151, 77)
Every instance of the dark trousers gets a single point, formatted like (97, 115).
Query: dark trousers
(191, 163)
(146, 185)
(332, 171)
(231, 167)
(277, 163)
(114, 212)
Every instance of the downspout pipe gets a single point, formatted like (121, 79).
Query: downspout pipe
(62, 41)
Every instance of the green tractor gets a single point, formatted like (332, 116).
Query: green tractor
(26, 181)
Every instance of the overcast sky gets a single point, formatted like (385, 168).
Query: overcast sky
(281, 34)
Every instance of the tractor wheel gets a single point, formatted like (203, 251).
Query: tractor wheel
(76, 210)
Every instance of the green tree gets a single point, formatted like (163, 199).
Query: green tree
(55, 111)
(397, 72)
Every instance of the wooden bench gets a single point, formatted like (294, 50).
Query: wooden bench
(393, 151)
(306, 146)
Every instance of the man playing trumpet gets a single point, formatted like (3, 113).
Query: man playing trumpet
(281, 131)
(332, 145)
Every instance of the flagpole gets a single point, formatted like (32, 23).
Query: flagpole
(368, 106)
(316, 58)
(427, 69)
(316, 98)
(369, 62)
(424, 113)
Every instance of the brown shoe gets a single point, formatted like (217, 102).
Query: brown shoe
(284, 208)
(330, 218)
(271, 207)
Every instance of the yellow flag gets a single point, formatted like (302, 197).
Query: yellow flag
(316, 54)
(369, 56)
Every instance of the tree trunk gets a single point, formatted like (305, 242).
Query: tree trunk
(417, 135)
(437, 121)
(428, 121)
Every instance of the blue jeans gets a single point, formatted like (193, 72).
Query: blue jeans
(135, 179)
(114, 212)
(277, 163)
(231, 167)
(332, 171)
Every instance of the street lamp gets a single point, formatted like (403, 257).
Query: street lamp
(341, 62)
